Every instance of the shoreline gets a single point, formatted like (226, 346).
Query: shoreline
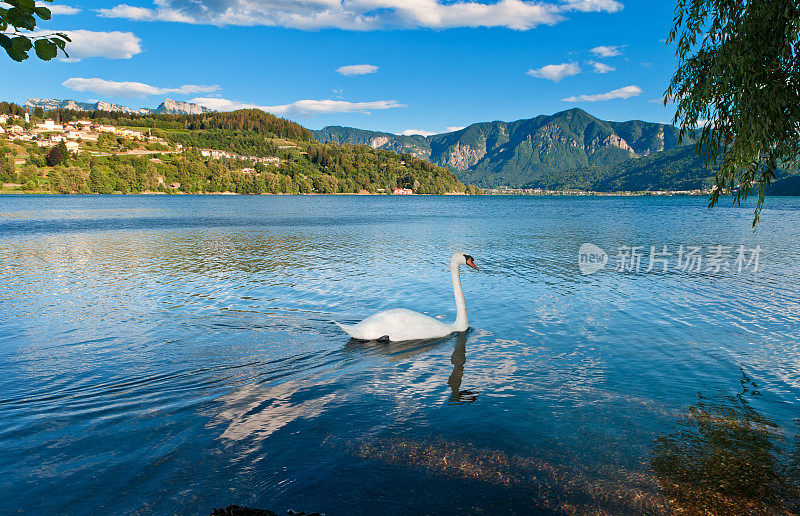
(552, 193)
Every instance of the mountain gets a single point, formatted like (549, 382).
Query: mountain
(172, 107)
(561, 149)
(51, 104)
(417, 145)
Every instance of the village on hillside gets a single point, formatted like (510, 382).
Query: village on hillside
(80, 135)
(34, 139)
(74, 134)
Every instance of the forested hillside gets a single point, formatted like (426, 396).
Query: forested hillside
(678, 169)
(262, 154)
(565, 148)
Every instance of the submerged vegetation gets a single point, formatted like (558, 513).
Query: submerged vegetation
(726, 458)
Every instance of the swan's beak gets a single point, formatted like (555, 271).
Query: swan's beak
(472, 264)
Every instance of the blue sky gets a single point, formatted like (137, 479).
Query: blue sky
(431, 65)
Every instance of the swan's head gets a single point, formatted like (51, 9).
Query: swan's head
(464, 259)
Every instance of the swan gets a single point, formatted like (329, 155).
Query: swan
(400, 324)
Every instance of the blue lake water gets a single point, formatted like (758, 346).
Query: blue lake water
(170, 354)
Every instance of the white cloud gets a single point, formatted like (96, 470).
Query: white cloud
(362, 14)
(607, 50)
(301, 108)
(130, 89)
(362, 69)
(556, 72)
(60, 10)
(622, 93)
(87, 43)
(669, 100)
(131, 12)
(601, 67)
(410, 132)
(609, 6)
(220, 104)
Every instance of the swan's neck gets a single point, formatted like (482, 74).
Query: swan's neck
(462, 323)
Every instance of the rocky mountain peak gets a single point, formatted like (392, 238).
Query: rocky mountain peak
(175, 107)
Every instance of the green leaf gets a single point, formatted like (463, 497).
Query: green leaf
(43, 12)
(22, 43)
(61, 44)
(16, 48)
(45, 49)
(26, 4)
(20, 19)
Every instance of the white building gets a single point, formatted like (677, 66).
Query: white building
(402, 191)
(89, 137)
(50, 125)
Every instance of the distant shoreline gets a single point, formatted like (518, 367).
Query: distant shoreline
(590, 193)
(22, 192)
(508, 193)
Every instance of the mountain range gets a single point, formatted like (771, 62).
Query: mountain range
(570, 149)
(168, 107)
(567, 150)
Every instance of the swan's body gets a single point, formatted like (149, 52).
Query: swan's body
(401, 324)
(398, 324)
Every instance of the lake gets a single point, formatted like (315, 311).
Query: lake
(171, 354)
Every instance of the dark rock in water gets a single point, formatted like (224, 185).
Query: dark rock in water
(235, 510)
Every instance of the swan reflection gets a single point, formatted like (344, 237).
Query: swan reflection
(394, 351)
(458, 359)
(403, 350)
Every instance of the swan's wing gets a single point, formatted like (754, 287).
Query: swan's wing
(351, 330)
(398, 324)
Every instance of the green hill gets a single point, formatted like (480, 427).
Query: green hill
(261, 154)
(568, 148)
(676, 169)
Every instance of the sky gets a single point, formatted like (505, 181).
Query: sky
(400, 66)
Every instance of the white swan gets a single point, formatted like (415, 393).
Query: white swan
(401, 324)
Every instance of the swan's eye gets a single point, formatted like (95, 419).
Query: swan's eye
(467, 257)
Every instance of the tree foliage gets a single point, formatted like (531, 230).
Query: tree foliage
(315, 168)
(247, 120)
(739, 78)
(7, 108)
(57, 154)
(21, 18)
